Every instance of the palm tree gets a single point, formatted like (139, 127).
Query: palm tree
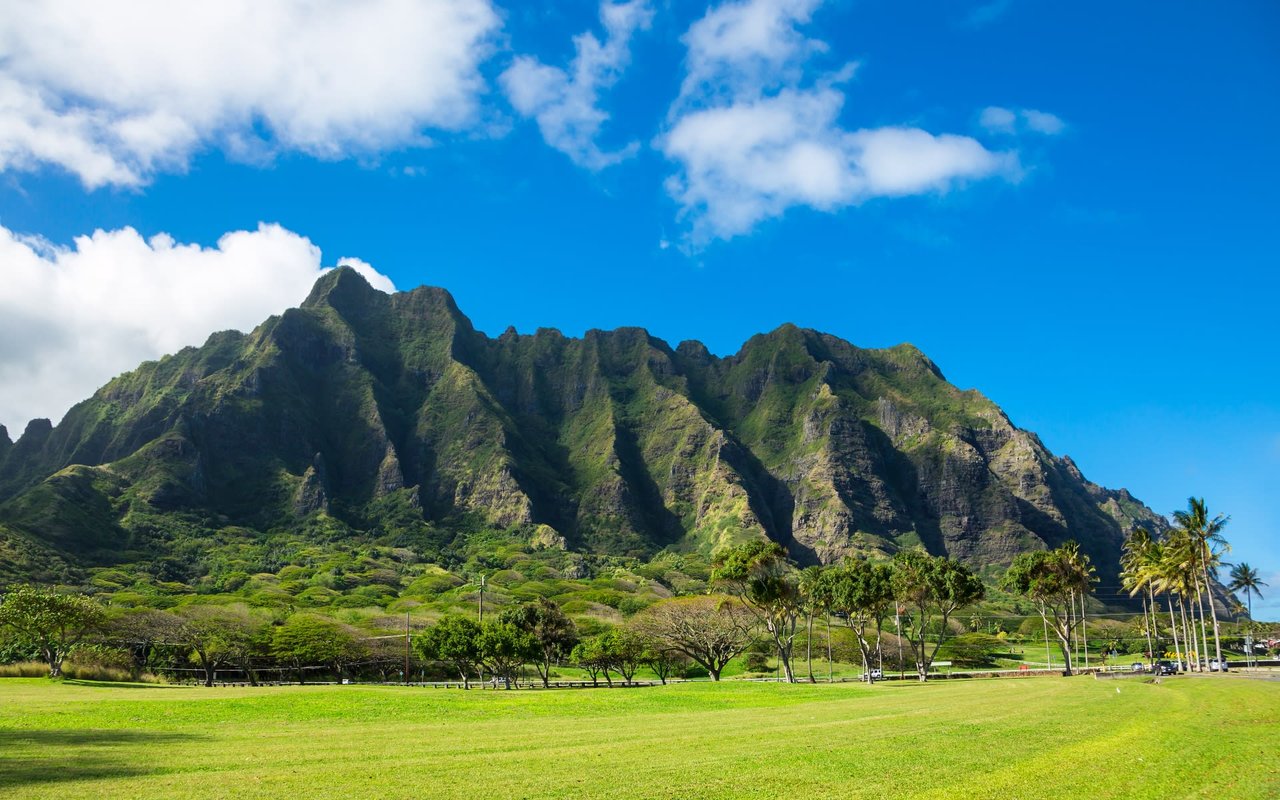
(1244, 578)
(813, 596)
(1174, 575)
(1135, 575)
(1078, 562)
(1206, 537)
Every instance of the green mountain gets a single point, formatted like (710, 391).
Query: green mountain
(367, 417)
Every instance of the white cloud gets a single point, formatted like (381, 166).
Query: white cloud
(72, 318)
(1043, 122)
(752, 138)
(113, 92)
(1003, 120)
(998, 120)
(564, 103)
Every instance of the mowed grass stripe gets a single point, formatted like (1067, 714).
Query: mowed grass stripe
(1015, 738)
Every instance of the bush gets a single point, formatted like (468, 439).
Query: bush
(82, 672)
(24, 669)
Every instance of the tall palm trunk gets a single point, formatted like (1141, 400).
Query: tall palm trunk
(1153, 627)
(1084, 630)
(1248, 651)
(830, 678)
(1173, 623)
(1149, 624)
(1189, 642)
(1203, 656)
(1208, 585)
(808, 645)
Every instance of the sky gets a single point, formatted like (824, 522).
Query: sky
(1070, 207)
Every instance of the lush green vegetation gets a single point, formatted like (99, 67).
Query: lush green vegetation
(368, 450)
(1032, 738)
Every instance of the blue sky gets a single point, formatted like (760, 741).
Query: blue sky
(1070, 207)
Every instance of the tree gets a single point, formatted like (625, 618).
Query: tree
(553, 631)
(217, 635)
(504, 647)
(758, 574)
(456, 640)
(863, 593)
(1136, 576)
(624, 650)
(815, 592)
(590, 655)
(311, 640)
(1244, 578)
(1052, 579)
(665, 662)
(147, 633)
(54, 622)
(1206, 538)
(710, 629)
(932, 588)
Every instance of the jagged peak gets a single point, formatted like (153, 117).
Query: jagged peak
(337, 282)
(5, 441)
(692, 348)
(37, 430)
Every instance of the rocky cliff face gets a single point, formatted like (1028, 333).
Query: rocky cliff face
(385, 411)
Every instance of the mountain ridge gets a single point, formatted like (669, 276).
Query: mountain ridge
(363, 413)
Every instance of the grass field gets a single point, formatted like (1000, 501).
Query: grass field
(1019, 738)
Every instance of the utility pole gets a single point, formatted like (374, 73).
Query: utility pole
(481, 613)
(406, 648)
(1084, 629)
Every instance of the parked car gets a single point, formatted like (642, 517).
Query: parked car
(874, 675)
(1218, 666)
(1137, 666)
(1165, 667)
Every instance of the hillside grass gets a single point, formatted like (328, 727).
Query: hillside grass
(1023, 738)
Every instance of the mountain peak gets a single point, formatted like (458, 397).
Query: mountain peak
(338, 283)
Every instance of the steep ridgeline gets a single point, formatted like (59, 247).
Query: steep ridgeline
(363, 413)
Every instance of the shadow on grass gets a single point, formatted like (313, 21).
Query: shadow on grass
(51, 756)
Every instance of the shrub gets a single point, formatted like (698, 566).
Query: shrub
(24, 669)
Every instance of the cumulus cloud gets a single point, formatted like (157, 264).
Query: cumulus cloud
(72, 318)
(1003, 120)
(752, 138)
(565, 102)
(113, 92)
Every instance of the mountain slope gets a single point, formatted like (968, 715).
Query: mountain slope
(374, 415)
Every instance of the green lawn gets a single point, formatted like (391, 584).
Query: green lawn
(1018, 738)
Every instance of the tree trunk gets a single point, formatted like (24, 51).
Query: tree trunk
(1146, 623)
(808, 646)
(1217, 640)
(1064, 640)
(1084, 630)
(1173, 623)
(830, 676)
(714, 673)
(208, 668)
(1189, 642)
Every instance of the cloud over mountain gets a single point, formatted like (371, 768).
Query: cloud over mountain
(73, 318)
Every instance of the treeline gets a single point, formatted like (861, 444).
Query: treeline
(759, 595)
(755, 600)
